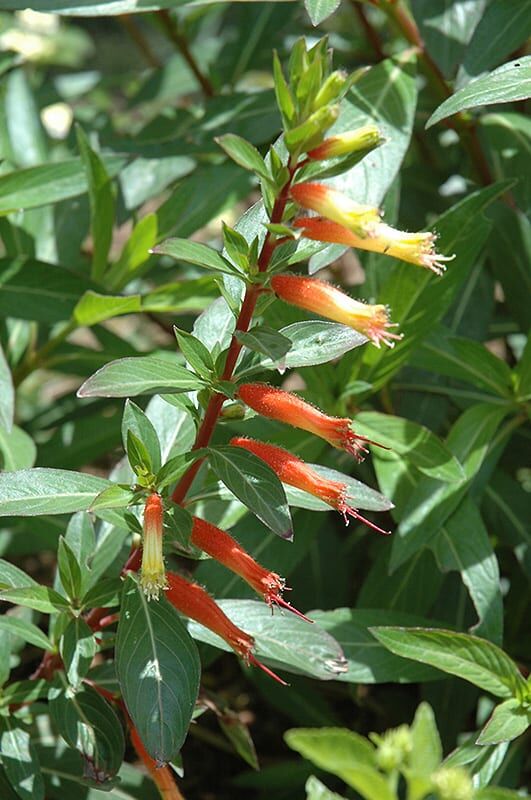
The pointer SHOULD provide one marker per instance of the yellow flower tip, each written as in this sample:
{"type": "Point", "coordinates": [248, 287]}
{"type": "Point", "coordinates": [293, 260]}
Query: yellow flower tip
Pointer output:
{"type": "Point", "coordinates": [343, 144]}
{"type": "Point", "coordinates": [336, 207]}
{"type": "Point", "coordinates": [152, 583]}
{"type": "Point", "coordinates": [417, 248]}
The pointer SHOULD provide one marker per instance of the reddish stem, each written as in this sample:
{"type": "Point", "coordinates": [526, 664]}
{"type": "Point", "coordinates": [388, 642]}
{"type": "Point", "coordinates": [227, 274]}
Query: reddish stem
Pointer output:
{"type": "Point", "coordinates": [215, 404]}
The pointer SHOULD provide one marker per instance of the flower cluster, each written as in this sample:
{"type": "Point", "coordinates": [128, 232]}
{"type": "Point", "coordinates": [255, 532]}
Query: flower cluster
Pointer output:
{"type": "Point", "coordinates": [313, 211]}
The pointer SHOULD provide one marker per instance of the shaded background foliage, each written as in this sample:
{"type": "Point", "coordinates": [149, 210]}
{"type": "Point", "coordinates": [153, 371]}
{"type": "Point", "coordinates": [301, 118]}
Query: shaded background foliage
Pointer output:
{"type": "Point", "coordinates": [150, 92]}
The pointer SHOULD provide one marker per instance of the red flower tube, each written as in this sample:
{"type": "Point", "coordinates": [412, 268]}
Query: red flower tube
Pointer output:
{"type": "Point", "coordinates": [296, 472]}
{"type": "Point", "coordinates": [194, 602]}
{"type": "Point", "coordinates": [324, 299]}
{"type": "Point", "coordinates": [162, 775]}
{"type": "Point", "coordinates": [415, 248]}
{"type": "Point", "coordinates": [153, 575]}
{"type": "Point", "coordinates": [293, 410]}
{"type": "Point", "coordinates": [227, 551]}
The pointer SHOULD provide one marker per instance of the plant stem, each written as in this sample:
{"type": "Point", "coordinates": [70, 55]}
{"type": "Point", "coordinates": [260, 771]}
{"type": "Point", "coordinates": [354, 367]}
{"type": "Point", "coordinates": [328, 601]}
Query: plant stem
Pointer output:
{"type": "Point", "coordinates": [464, 126]}
{"type": "Point", "coordinates": [127, 21]}
{"type": "Point", "coordinates": [180, 41]}
{"type": "Point", "coordinates": [215, 404]}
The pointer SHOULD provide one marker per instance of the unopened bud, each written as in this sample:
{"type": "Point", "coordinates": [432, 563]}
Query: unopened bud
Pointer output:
{"type": "Point", "coordinates": [331, 89]}
{"type": "Point", "coordinates": [393, 748]}
{"type": "Point", "coordinates": [343, 144]}
{"type": "Point", "coordinates": [452, 783]}
{"type": "Point", "coordinates": [312, 131]}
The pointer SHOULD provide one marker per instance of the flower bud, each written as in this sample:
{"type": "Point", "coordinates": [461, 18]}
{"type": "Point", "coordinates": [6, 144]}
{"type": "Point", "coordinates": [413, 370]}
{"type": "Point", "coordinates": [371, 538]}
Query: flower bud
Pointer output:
{"type": "Point", "coordinates": [293, 410]}
{"type": "Point", "coordinates": [153, 575]}
{"type": "Point", "coordinates": [393, 748]}
{"type": "Point", "coordinates": [343, 144]}
{"type": "Point", "coordinates": [324, 299]}
{"type": "Point", "coordinates": [336, 206]}
{"type": "Point", "coordinates": [331, 89]}
{"type": "Point", "coordinates": [219, 545]}
{"type": "Point", "coordinates": [295, 472]}
{"type": "Point", "coordinates": [194, 602]}
{"type": "Point", "coordinates": [452, 783]}
{"type": "Point", "coordinates": [312, 131]}
{"type": "Point", "coordinates": [415, 248]}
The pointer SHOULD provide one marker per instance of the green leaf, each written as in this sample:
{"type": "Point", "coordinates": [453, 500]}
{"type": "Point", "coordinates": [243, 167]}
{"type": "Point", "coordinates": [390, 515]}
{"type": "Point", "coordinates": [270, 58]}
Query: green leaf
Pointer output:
{"type": "Point", "coordinates": [114, 496]}
{"type": "Point", "coordinates": [196, 253]}
{"type": "Point", "coordinates": [466, 360]}
{"type": "Point", "coordinates": [501, 30]}
{"type": "Point", "coordinates": [474, 558]}
{"type": "Point", "coordinates": [175, 467]}
{"type": "Point", "coordinates": [243, 153]}
{"type": "Point", "coordinates": [93, 308]}
{"type": "Point", "coordinates": [78, 648]}
{"type": "Point", "coordinates": [158, 668]}
{"type": "Point", "coordinates": [255, 484]}
{"type": "Point", "coordinates": [7, 394]}
{"type": "Point", "coordinates": [315, 342]}
{"type": "Point", "coordinates": [20, 761]}
{"type": "Point", "coordinates": [48, 183]}
{"type": "Point", "coordinates": [473, 659]}
{"type": "Point", "coordinates": [13, 576]}
{"type": "Point", "coordinates": [31, 492]}
{"type": "Point", "coordinates": [128, 377]}
{"type": "Point", "coordinates": [88, 724]}
{"type": "Point", "coordinates": [417, 444]}
{"type": "Point", "coordinates": [24, 692]}
{"type": "Point", "coordinates": [368, 660]}
{"type": "Point", "coordinates": [69, 570]}
{"type": "Point", "coordinates": [344, 753]}
{"type": "Point", "coordinates": [38, 291]}
{"type": "Point", "coordinates": [17, 449]}
{"type": "Point", "coordinates": [25, 630]}
{"type": "Point", "coordinates": [510, 240]}
{"type": "Point", "coordinates": [426, 753]}
{"type": "Point", "coordinates": [496, 793]}
{"type": "Point", "coordinates": [139, 458]}
{"type": "Point", "coordinates": [284, 641]}
{"type": "Point", "coordinates": [196, 354]}
{"type": "Point", "coordinates": [432, 502]}
{"type": "Point", "coordinates": [508, 720]}
{"type": "Point", "coordinates": [265, 340]}
{"type": "Point", "coordinates": [135, 421]}
{"type": "Point", "coordinates": [315, 790]}
{"type": "Point", "coordinates": [40, 598]}
{"type": "Point", "coordinates": [508, 83]}
{"type": "Point", "coordinates": [319, 10]}
{"type": "Point", "coordinates": [135, 253]}
{"type": "Point", "coordinates": [102, 204]}
{"type": "Point", "coordinates": [106, 592]}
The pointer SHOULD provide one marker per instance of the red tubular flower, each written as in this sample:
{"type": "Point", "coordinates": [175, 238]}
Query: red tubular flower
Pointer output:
{"type": "Point", "coordinates": [153, 575]}
{"type": "Point", "coordinates": [227, 551]}
{"type": "Point", "coordinates": [162, 775]}
{"type": "Point", "coordinates": [293, 410]}
{"type": "Point", "coordinates": [296, 472]}
{"type": "Point", "coordinates": [324, 299]}
{"type": "Point", "coordinates": [192, 601]}
{"type": "Point", "coordinates": [415, 248]}
{"type": "Point", "coordinates": [336, 206]}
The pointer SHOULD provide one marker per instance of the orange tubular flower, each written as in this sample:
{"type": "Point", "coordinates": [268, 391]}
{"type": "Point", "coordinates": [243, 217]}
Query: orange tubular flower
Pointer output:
{"type": "Point", "coordinates": [192, 601]}
{"type": "Point", "coordinates": [286, 407]}
{"type": "Point", "coordinates": [153, 575]}
{"type": "Point", "coordinates": [227, 551]}
{"type": "Point", "coordinates": [336, 206]}
{"type": "Point", "coordinates": [349, 142]}
{"type": "Point", "coordinates": [415, 248]}
{"type": "Point", "coordinates": [295, 472]}
{"type": "Point", "coordinates": [162, 775]}
{"type": "Point", "coordinates": [324, 299]}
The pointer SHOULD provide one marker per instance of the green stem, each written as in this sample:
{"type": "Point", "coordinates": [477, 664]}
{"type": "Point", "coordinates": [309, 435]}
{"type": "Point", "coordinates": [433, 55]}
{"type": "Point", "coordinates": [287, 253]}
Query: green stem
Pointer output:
{"type": "Point", "coordinates": [39, 358]}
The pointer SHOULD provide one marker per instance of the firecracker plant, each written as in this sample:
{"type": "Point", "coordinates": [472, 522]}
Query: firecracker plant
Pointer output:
{"type": "Point", "coordinates": [120, 659]}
